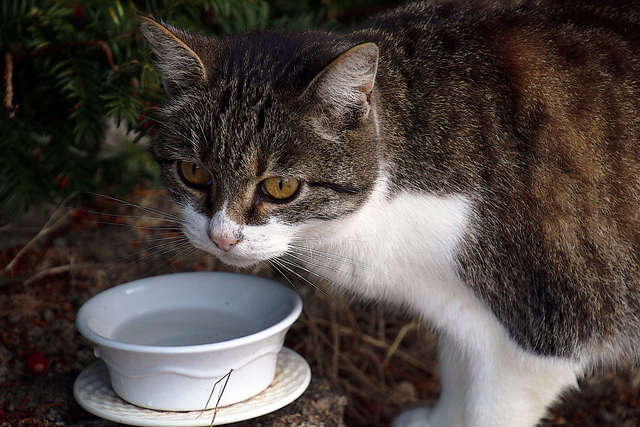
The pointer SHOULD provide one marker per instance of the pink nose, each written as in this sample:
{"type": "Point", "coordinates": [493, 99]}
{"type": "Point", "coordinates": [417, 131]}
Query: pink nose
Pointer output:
{"type": "Point", "coordinates": [224, 244]}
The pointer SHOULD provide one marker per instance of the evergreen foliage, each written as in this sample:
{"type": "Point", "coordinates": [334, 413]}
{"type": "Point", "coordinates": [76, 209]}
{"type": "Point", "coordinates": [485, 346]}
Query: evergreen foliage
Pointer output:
{"type": "Point", "coordinates": [69, 65]}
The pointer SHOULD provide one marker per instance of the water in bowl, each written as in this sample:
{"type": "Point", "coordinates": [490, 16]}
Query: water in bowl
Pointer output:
{"type": "Point", "coordinates": [182, 327]}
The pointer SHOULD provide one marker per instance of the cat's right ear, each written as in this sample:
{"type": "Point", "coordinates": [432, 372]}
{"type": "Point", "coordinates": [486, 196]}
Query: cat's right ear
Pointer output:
{"type": "Point", "coordinates": [342, 91]}
{"type": "Point", "coordinates": [181, 66]}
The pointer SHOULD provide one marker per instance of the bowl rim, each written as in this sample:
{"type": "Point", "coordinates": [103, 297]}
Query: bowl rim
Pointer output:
{"type": "Point", "coordinates": [82, 318]}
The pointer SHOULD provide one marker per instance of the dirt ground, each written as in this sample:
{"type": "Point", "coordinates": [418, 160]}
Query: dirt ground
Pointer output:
{"type": "Point", "coordinates": [381, 361]}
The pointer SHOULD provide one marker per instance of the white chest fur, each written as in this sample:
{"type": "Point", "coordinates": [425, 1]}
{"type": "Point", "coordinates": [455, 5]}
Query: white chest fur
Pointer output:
{"type": "Point", "coordinates": [400, 250]}
{"type": "Point", "coordinates": [403, 250]}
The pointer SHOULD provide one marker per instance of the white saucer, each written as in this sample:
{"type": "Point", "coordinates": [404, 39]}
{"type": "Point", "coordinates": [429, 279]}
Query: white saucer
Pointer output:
{"type": "Point", "coordinates": [93, 392]}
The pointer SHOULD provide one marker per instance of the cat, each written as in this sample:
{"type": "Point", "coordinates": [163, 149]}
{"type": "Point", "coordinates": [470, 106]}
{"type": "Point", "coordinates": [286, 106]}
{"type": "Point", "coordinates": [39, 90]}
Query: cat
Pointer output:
{"type": "Point", "coordinates": [476, 164]}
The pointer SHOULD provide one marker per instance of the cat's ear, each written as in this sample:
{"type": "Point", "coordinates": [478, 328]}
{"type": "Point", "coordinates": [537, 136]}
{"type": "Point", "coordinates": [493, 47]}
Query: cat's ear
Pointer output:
{"type": "Point", "coordinates": [181, 66]}
{"type": "Point", "coordinates": [343, 89]}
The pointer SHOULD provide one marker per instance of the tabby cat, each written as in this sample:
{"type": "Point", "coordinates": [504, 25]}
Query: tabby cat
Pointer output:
{"type": "Point", "coordinates": [478, 165]}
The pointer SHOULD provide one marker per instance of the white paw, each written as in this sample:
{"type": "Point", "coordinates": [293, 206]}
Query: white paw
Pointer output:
{"type": "Point", "coordinates": [418, 417]}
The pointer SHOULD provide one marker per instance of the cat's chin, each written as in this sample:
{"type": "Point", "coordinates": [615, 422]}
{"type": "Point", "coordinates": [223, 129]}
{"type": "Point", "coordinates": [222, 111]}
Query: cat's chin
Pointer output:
{"type": "Point", "coordinates": [236, 261]}
{"type": "Point", "coordinates": [239, 262]}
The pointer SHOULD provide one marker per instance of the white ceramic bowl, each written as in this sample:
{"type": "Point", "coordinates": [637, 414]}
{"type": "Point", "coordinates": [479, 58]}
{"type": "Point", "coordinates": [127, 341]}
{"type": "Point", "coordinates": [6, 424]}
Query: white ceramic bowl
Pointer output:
{"type": "Point", "coordinates": [167, 340]}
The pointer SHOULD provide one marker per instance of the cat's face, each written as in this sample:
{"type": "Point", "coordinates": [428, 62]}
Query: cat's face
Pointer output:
{"type": "Point", "coordinates": [261, 150]}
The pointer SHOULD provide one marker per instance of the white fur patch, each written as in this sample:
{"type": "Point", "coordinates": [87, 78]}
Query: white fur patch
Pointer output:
{"type": "Point", "coordinates": [400, 250]}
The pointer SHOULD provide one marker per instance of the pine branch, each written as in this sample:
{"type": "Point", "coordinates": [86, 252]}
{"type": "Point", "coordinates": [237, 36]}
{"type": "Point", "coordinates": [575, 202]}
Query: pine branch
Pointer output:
{"type": "Point", "coordinates": [8, 84]}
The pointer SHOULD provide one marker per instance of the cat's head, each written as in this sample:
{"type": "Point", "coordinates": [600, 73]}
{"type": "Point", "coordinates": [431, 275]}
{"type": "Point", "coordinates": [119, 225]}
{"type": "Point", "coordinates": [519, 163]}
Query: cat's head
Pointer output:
{"type": "Point", "coordinates": [264, 136]}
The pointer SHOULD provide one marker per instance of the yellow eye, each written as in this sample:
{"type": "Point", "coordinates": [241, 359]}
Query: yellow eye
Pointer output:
{"type": "Point", "coordinates": [194, 174]}
{"type": "Point", "coordinates": [280, 187]}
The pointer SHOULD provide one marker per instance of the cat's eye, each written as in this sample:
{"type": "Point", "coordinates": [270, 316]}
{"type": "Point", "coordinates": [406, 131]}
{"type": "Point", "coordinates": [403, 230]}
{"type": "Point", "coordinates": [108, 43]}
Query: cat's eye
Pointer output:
{"type": "Point", "coordinates": [194, 174]}
{"type": "Point", "coordinates": [280, 187]}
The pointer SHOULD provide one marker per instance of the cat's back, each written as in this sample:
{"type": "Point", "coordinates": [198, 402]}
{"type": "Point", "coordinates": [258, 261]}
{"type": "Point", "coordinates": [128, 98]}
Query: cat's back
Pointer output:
{"type": "Point", "coordinates": [478, 32]}
{"type": "Point", "coordinates": [499, 14]}
{"type": "Point", "coordinates": [531, 110]}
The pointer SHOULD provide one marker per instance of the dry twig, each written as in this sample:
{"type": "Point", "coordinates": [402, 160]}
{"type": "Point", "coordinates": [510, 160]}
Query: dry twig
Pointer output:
{"type": "Point", "coordinates": [58, 219]}
{"type": "Point", "coordinates": [217, 407]}
{"type": "Point", "coordinates": [56, 270]}
{"type": "Point", "coordinates": [11, 57]}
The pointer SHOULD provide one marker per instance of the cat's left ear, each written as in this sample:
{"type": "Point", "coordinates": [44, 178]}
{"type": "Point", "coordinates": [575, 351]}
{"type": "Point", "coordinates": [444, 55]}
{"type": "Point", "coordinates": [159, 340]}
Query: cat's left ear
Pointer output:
{"type": "Point", "coordinates": [343, 89]}
{"type": "Point", "coordinates": [182, 67]}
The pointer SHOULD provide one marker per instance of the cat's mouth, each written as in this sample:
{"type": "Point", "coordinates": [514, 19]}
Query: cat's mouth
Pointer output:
{"type": "Point", "coordinates": [235, 245]}
{"type": "Point", "coordinates": [235, 257]}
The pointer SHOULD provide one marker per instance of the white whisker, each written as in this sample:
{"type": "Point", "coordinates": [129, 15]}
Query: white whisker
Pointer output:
{"type": "Point", "coordinates": [311, 252]}
{"type": "Point", "coordinates": [331, 262]}
{"type": "Point", "coordinates": [314, 262]}
{"type": "Point", "coordinates": [281, 263]}
{"type": "Point", "coordinates": [184, 248]}
{"type": "Point", "coordinates": [160, 228]}
{"type": "Point", "coordinates": [165, 248]}
{"type": "Point", "coordinates": [276, 265]}
{"type": "Point", "coordinates": [164, 215]}
{"type": "Point", "coordinates": [338, 238]}
{"type": "Point", "coordinates": [153, 239]}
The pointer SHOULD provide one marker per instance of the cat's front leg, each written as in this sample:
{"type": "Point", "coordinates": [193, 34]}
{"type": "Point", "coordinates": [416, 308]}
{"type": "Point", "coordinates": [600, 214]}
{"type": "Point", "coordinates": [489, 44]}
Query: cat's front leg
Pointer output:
{"type": "Point", "coordinates": [448, 411]}
{"type": "Point", "coordinates": [492, 383]}
{"type": "Point", "coordinates": [418, 417]}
